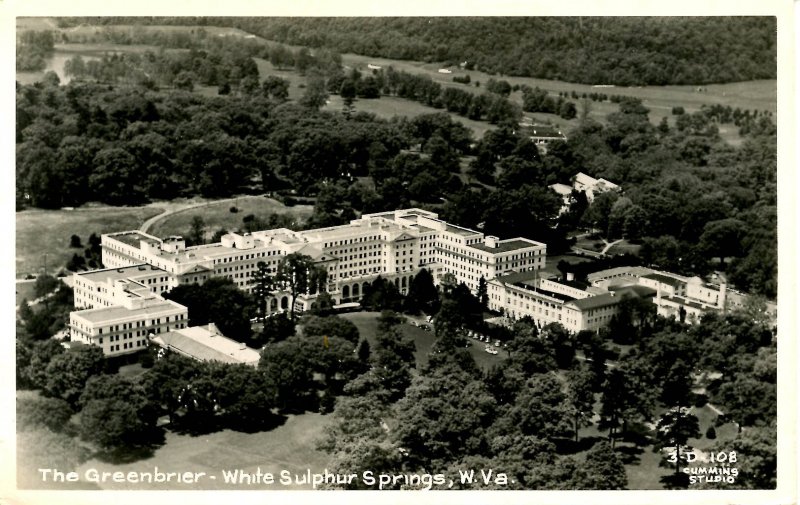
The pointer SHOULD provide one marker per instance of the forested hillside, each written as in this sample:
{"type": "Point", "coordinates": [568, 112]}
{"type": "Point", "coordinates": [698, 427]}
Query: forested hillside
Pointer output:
{"type": "Point", "coordinates": [630, 51]}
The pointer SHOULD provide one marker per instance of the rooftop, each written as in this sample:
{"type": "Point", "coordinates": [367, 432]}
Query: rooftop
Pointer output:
{"type": "Point", "coordinates": [466, 232]}
{"type": "Point", "coordinates": [530, 286]}
{"type": "Point", "coordinates": [114, 274]}
{"type": "Point", "coordinates": [613, 272]}
{"type": "Point", "coordinates": [132, 238]}
{"type": "Point", "coordinates": [206, 344]}
{"type": "Point", "coordinates": [612, 298]}
{"type": "Point", "coordinates": [119, 313]}
{"type": "Point", "coordinates": [507, 245]}
{"type": "Point", "coordinates": [561, 189]}
{"type": "Point", "coordinates": [665, 279]}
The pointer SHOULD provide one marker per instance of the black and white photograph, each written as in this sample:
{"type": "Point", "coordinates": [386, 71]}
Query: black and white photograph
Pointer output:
{"type": "Point", "coordinates": [451, 251]}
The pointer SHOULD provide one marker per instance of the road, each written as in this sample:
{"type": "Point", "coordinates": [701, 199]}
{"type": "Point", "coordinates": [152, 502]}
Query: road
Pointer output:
{"type": "Point", "coordinates": [181, 208]}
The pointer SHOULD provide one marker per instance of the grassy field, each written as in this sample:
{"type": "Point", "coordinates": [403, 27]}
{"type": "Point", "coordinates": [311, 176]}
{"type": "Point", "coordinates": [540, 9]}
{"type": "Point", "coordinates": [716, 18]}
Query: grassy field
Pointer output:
{"type": "Point", "coordinates": [290, 446]}
{"type": "Point", "coordinates": [47, 232]}
{"type": "Point", "coordinates": [25, 291]}
{"type": "Point", "coordinates": [218, 215]}
{"type": "Point", "coordinates": [367, 325]}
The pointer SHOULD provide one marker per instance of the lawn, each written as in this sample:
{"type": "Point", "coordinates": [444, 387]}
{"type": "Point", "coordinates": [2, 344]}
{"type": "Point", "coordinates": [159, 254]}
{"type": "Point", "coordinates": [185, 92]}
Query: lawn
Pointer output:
{"type": "Point", "coordinates": [25, 290]}
{"type": "Point", "coordinates": [290, 446]}
{"type": "Point", "coordinates": [367, 325]}
{"type": "Point", "coordinates": [217, 215]}
{"type": "Point", "coordinates": [43, 235]}
{"type": "Point", "coordinates": [551, 262]}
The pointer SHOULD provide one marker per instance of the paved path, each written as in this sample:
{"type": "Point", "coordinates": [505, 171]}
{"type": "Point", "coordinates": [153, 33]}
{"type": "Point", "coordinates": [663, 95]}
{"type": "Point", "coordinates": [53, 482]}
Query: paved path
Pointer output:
{"type": "Point", "coordinates": [596, 254]}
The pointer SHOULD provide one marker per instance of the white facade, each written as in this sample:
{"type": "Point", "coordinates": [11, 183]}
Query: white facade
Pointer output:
{"type": "Point", "coordinates": [124, 329]}
{"type": "Point", "coordinates": [394, 245]}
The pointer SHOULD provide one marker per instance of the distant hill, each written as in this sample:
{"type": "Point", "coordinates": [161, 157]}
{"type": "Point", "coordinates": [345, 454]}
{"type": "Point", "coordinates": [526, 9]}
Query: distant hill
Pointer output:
{"type": "Point", "coordinates": [628, 51]}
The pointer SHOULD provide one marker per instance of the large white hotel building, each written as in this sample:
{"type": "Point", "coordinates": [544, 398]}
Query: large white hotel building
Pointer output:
{"type": "Point", "coordinates": [121, 306]}
{"type": "Point", "coordinates": [394, 245]}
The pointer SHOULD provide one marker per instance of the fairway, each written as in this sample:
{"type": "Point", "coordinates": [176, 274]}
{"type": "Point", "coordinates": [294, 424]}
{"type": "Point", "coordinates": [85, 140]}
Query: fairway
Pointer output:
{"type": "Point", "coordinates": [217, 215]}
{"type": "Point", "coordinates": [47, 232]}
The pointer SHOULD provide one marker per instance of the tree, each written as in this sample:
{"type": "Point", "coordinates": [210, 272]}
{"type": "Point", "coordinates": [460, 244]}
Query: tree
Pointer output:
{"type": "Point", "coordinates": [580, 397]}
{"type": "Point", "coordinates": [217, 301]}
{"type": "Point", "coordinates": [540, 409]}
{"type": "Point", "coordinates": [197, 232]}
{"type": "Point", "coordinates": [723, 238]}
{"type": "Point", "coordinates": [67, 373]}
{"type": "Point", "coordinates": [393, 359]}
{"type": "Point", "coordinates": [51, 413]}
{"type": "Point", "coordinates": [332, 326]}
{"type": "Point", "coordinates": [422, 294]}
{"type": "Point", "coordinates": [748, 401]}
{"type": "Point", "coordinates": [315, 95]}
{"type": "Point", "coordinates": [443, 417]}
{"type": "Point", "coordinates": [277, 327]}
{"type": "Point", "coordinates": [603, 469]}
{"type": "Point", "coordinates": [44, 285]}
{"type": "Point", "coordinates": [288, 365]}
{"type": "Point", "coordinates": [757, 454]}
{"type": "Point", "coordinates": [300, 274]}
{"type": "Point", "coordinates": [674, 429]}
{"type": "Point", "coordinates": [483, 293]}
{"type": "Point", "coordinates": [276, 88]}
{"type": "Point", "coordinates": [627, 395]}
{"type": "Point", "coordinates": [34, 373]}
{"type": "Point", "coordinates": [185, 80]}
{"type": "Point", "coordinates": [531, 353]}
{"type": "Point", "coordinates": [263, 287]}
{"type": "Point", "coordinates": [75, 241]}
{"type": "Point", "coordinates": [116, 413]}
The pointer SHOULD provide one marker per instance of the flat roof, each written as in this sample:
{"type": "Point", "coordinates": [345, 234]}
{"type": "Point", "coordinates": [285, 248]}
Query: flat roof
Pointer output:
{"type": "Point", "coordinates": [460, 230]}
{"type": "Point", "coordinates": [546, 292]}
{"type": "Point", "coordinates": [665, 279]}
{"type": "Point", "coordinates": [206, 345]}
{"type": "Point", "coordinates": [118, 273]}
{"type": "Point", "coordinates": [132, 238]}
{"type": "Point", "coordinates": [507, 245]}
{"type": "Point", "coordinates": [561, 189]}
{"type": "Point", "coordinates": [118, 312]}
{"type": "Point", "coordinates": [612, 298]}
{"type": "Point", "coordinates": [610, 272]}
{"type": "Point", "coordinates": [679, 300]}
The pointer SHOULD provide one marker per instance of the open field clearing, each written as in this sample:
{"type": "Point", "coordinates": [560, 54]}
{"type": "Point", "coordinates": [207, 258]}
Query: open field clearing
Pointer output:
{"type": "Point", "coordinates": [217, 215]}
{"type": "Point", "coordinates": [47, 232]}
{"type": "Point", "coordinates": [291, 447]}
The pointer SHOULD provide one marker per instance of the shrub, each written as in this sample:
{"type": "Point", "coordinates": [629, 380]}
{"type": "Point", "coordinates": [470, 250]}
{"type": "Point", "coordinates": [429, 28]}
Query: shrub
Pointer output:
{"type": "Point", "coordinates": [700, 400]}
{"type": "Point", "coordinates": [711, 433]}
{"type": "Point", "coordinates": [234, 209]}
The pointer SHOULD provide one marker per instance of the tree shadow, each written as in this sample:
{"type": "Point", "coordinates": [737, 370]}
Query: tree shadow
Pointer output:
{"type": "Point", "coordinates": [567, 446]}
{"type": "Point", "coordinates": [133, 453]}
{"type": "Point", "coordinates": [675, 481]}
{"type": "Point", "coordinates": [630, 455]}
{"type": "Point", "coordinates": [266, 424]}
